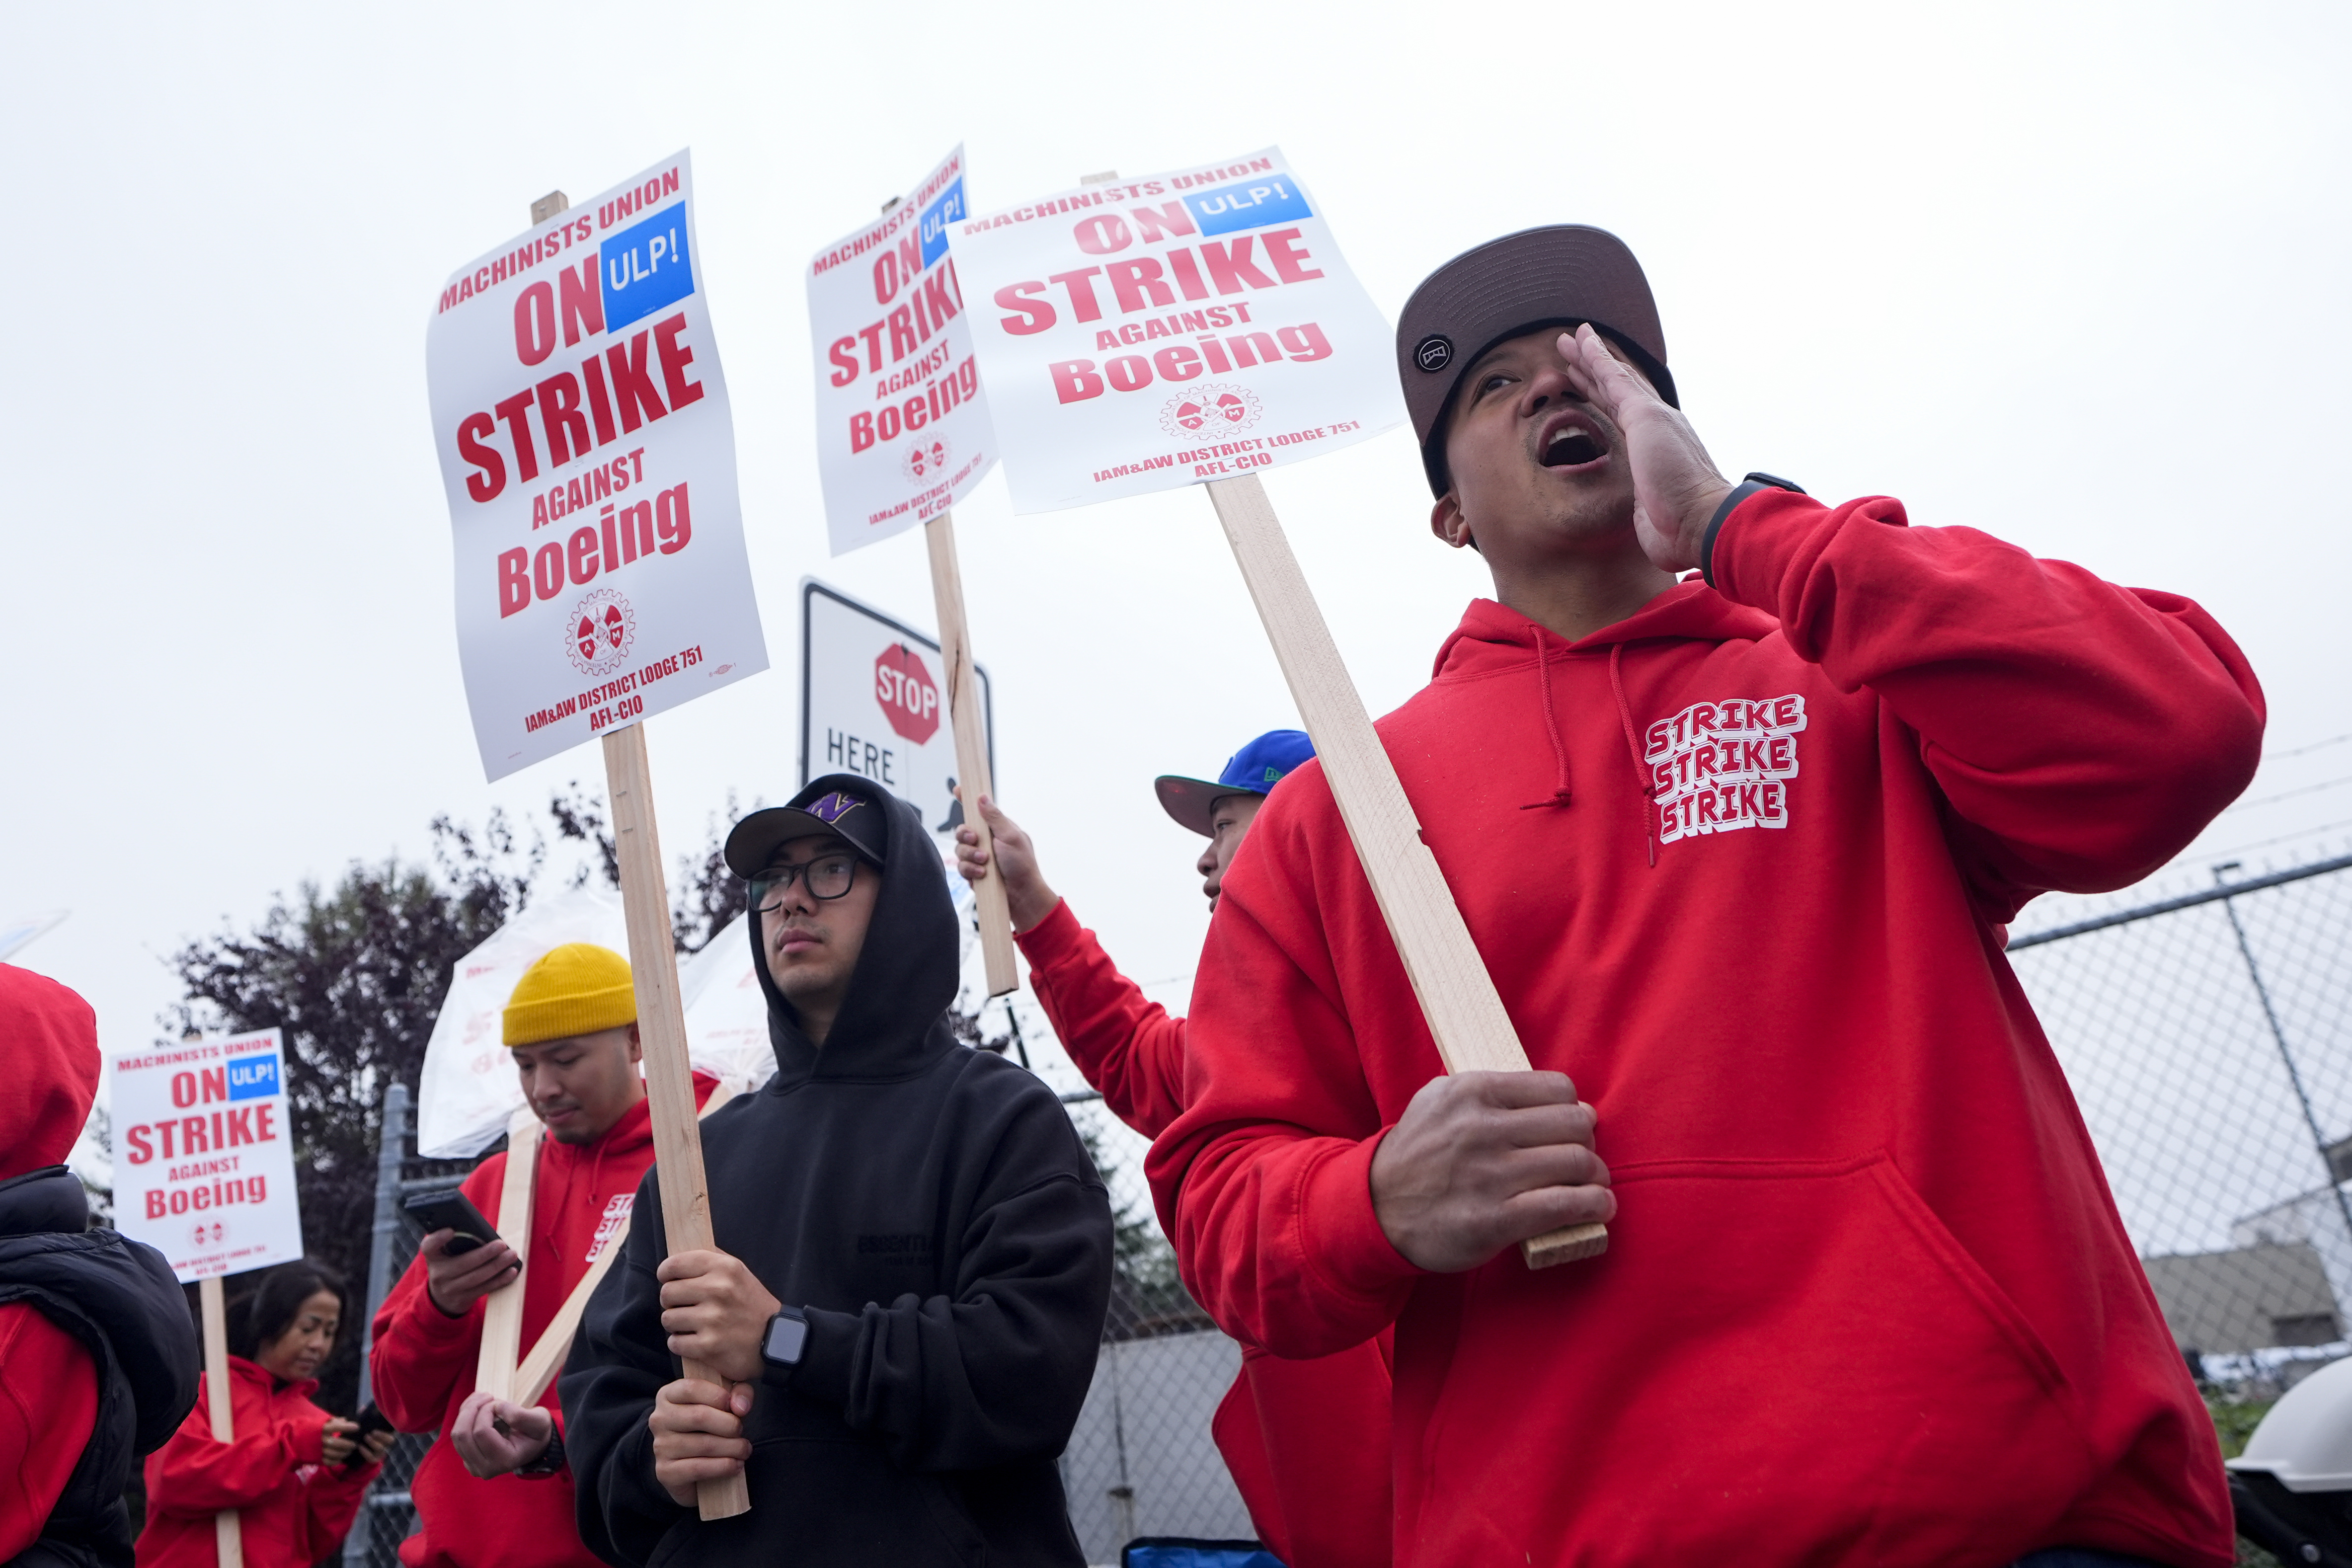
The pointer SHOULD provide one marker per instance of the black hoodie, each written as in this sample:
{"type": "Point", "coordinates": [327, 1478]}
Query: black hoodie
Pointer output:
{"type": "Point", "coordinates": [119, 1299]}
{"type": "Point", "coordinates": [933, 1210]}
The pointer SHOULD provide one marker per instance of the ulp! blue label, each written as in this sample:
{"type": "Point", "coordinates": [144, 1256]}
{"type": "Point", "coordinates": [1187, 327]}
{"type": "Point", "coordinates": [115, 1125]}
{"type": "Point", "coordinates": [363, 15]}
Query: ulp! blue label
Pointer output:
{"type": "Point", "coordinates": [645, 266]}
{"type": "Point", "coordinates": [948, 209]}
{"type": "Point", "coordinates": [253, 1078]}
{"type": "Point", "coordinates": [1253, 205]}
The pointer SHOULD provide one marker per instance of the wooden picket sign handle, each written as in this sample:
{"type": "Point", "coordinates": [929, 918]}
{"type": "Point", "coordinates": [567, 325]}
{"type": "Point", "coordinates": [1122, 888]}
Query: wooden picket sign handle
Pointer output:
{"type": "Point", "coordinates": [1466, 1017]}
{"type": "Point", "coordinates": [972, 778]}
{"type": "Point", "coordinates": [494, 1366]}
{"type": "Point", "coordinates": [228, 1528]}
{"type": "Point", "coordinates": [661, 1016]}
{"type": "Point", "coordinates": [546, 1358]}
{"type": "Point", "coordinates": [661, 1030]}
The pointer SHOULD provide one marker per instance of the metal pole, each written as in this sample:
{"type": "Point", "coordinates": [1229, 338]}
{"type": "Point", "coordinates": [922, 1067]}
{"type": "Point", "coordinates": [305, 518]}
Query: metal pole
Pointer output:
{"type": "Point", "coordinates": [392, 1143]}
{"type": "Point", "coordinates": [2278, 1034]}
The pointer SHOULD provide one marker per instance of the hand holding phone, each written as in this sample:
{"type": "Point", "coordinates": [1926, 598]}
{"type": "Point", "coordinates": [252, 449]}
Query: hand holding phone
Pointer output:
{"type": "Point", "coordinates": [365, 1428]}
{"type": "Point", "coordinates": [465, 1258]}
{"type": "Point", "coordinates": [450, 1209]}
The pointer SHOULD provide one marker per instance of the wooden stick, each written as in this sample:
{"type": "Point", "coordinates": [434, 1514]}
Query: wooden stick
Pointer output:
{"type": "Point", "coordinates": [494, 1369]}
{"type": "Point", "coordinates": [228, 1530]}
{"type": "Point", "coordinates": [661, 1029]}
{"type": "Point", "coordinates": [1457, 995]}
{"type": "Point", "coordinates": [972, 750]}
{"type": "Point", "coordinates": [546, 1358]}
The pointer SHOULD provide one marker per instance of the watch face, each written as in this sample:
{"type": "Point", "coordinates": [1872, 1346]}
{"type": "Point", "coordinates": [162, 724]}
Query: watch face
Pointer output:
{"type": "Point", "coordinates": [786, 1337]}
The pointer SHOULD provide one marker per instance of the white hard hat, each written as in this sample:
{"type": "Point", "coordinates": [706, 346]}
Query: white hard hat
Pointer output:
{"type": "Point", "coordinates": [2305, 1441]}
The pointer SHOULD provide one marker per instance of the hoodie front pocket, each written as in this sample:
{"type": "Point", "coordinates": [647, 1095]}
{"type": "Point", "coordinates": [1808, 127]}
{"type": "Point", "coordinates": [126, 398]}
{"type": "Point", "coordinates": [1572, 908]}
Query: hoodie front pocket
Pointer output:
{"type": "Point", "coordinates": [1777, 1362]}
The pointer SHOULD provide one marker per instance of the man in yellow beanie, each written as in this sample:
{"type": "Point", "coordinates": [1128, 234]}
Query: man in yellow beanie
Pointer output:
{"type": "Point", "coordinates": [495, 1488]}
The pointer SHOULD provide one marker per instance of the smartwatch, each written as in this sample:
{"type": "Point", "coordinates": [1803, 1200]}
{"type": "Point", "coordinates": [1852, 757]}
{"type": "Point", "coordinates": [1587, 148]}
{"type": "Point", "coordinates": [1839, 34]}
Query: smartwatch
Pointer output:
{"type": "Point", "coordinates": [1748, 487]}
{"type": "Point", "coordinates": [786, 1338]}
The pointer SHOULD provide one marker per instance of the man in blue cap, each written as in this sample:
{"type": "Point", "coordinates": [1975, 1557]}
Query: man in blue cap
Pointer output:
{"type": "Point", "coordinates": [1306, 1441]}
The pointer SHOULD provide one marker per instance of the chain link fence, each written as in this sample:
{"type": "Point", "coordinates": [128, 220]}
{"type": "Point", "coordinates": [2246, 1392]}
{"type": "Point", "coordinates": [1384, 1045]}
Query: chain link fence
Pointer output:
{"type": "Point", "coordinates": [2208, 1037]}
{"type": "Point", "coordinates": [2205, 1035]}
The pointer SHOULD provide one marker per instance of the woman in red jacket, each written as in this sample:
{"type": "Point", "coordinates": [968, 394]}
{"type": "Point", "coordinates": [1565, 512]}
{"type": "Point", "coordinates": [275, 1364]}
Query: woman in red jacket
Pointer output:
{"type": "Point", "coordinates": [294, 1473]}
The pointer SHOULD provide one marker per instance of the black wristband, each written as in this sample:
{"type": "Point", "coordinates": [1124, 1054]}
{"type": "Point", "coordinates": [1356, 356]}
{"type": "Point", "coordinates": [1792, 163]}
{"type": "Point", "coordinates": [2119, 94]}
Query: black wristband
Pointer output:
{"type": "Point", "coordinates": [1749, 484]}
{"type": "Point", "coordinates": [550, 1460]}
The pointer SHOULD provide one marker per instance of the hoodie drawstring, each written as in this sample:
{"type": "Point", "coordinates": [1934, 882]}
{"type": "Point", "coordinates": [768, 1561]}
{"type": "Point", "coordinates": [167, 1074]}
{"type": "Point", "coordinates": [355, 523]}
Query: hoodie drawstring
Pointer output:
{"type": "Point", "coordinates": [1559, 796]}
{"type": "Point", "coordinates": [1634, 750]}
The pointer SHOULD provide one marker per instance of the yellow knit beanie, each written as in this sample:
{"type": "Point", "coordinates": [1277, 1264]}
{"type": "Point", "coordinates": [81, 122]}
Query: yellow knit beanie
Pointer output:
{"type": "Point", "coordinates": [577, 989]}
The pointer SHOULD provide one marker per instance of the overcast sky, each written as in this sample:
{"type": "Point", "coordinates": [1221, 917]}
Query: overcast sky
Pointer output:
{"type": "Point", "coordinates": [2071, 274]}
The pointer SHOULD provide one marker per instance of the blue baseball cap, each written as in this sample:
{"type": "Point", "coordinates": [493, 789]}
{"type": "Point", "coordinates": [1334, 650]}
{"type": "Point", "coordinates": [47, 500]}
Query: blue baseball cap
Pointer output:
{"type": "Point", "coordinates": [1254, 769]}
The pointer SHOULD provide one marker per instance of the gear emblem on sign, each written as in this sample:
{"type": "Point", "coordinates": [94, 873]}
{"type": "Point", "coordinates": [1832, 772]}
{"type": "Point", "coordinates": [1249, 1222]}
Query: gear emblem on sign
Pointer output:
{"type": "Point", "coordinates": [1209, 411]}
{"type": "Point", "coordinates": [599, 633]}
{"type": "Point", "coordinates": [924, 462]}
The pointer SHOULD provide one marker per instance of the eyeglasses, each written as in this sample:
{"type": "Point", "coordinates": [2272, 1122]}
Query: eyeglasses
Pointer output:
{"type": "Point", "coordinates": [829, 877]}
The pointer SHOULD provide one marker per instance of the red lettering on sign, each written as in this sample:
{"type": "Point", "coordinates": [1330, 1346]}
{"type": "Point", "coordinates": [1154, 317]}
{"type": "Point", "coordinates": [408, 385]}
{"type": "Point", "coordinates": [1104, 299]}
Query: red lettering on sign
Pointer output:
{"type": "Point", "coordinates": [1075, 379]}
{"type": "Point", "coordinates": [534, 324]}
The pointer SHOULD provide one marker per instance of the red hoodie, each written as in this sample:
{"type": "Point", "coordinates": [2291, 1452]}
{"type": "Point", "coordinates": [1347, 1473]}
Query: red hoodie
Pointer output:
{"type": "Point", "coordinates": [48, 1385]}
{"type": "Point", "coordinates": [1740, 866]}
{"type": "Point", "coordinates": [421, 1364]}
{"type": "Point", "coordinates": [294, 1509]}
{"type": "Point", "coordinates": [1306, 1441]}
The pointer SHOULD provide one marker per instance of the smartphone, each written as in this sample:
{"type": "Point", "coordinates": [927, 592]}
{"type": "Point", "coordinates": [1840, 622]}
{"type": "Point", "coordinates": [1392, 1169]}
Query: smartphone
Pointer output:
{"type": "Point", "coordinates": [371, 1421]}
{"type": "Point", "coordinates": [450, 1209]}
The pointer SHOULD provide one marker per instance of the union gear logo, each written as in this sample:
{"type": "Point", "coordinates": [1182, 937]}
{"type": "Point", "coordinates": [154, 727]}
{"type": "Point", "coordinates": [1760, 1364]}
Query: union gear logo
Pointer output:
{"type": "Point", "coordinates": [925, 462]}
{"type": "Point", "coordinates": [1718, 766]}
{"type": "Point", "coordinates": [599, 633]}
{"type": "Point", "coordinates": [1210, 411]}
{"type": "Point", "coordinates": [609, 1224]}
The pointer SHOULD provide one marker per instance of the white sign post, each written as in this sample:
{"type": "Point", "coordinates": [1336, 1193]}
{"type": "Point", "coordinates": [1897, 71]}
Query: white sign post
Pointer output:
{"type": "Point", "coordinates": [903, 434]}
{"type": "Point", "coordinates": [874, 703]}
{"type": "Point", "coordinates": [590, 460]}
{"type": "Point", "coordinates": [1199, 326]}
{"type": "Point", "coordinates": [204, 1173]}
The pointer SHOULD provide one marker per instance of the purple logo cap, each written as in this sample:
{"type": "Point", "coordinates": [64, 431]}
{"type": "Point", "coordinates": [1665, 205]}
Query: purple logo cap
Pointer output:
{"type": "Point", "coordinates": [830, 809]}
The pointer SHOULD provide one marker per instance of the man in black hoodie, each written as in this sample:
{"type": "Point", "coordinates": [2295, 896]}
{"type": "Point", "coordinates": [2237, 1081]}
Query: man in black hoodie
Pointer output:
{"type": "Point", "coordinates": [913, 1253]}
{"type": "Point", "coordinates": [98, 1355]}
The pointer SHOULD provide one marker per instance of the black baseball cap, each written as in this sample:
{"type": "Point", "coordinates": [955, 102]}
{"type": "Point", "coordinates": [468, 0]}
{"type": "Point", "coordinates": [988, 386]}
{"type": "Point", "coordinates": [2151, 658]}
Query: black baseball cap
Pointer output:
{"type": "Point", "coordinates": [1563, 275]}
{"type": "Point", "coordinates": [838, 805]}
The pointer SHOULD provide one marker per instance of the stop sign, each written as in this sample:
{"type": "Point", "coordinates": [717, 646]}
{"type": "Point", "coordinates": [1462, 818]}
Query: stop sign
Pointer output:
{"type": "Point", "coordinates": [909, 698]}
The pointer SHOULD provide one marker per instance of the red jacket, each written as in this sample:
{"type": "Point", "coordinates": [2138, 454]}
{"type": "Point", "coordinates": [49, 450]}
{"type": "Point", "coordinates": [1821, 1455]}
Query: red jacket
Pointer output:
{"type": "Point", "coordinates": [1306, 1441]}
{"type": "Point", "coordinates": [1740, 866]}
{"type": "Point", "coordinates": [294, 1510]}
{"type": "Point", "coordinates": [48, 1404]}
{"type": "Point", "coordinates": [421, 1365]}
{"type": "Point", "coordinates": [48, 1385]}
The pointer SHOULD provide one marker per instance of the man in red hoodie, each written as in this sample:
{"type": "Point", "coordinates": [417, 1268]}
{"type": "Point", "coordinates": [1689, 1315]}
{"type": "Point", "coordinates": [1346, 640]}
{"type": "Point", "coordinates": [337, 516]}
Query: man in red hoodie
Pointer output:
{"type": "Point", "coordinates": [494, 1490]}
{"type": "Point", "coordinates": [1306, 1441]}
{"type": "Point", "coordinates": [1738, 848]}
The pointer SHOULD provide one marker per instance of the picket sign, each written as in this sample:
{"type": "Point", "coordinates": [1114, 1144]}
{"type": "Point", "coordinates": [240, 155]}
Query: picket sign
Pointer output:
{"type": "Point", "coordinates": [661, 1023]}
{"type": "Point", "coordinates": [995, 911]}
{"type": "Point", "coordinates": [1466, 1017]}
{"type": "Point", "coordinates": [228, 1528]}
{"type": "Point", "coordinates": [876, 484]}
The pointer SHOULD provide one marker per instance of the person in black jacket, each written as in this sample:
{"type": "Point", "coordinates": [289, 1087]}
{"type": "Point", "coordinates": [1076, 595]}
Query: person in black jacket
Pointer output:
{"type": "Point", "coordinates": [913, 1253]}
{"type": "Point", "coordinates": [98, 1354]}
